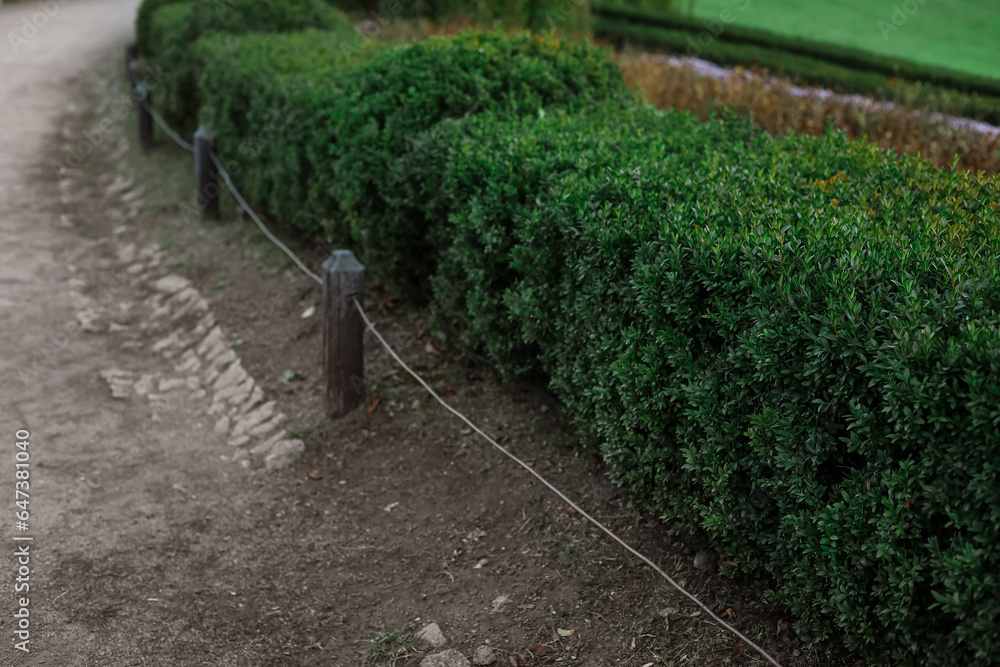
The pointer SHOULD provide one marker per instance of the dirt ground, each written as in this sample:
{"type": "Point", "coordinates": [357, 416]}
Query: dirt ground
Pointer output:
{"type": "Point", "coordinates": [152, 546]}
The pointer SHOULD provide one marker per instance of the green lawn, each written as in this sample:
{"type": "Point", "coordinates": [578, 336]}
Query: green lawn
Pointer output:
{"type": "Point", "coordinates": [960, 34]}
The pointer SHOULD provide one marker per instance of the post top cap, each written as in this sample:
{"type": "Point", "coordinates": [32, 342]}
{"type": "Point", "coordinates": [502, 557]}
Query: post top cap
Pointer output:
{"type": "Point", "coordinates": [204, 132]}
{"type": "Point", "coordinates": [343, 261]}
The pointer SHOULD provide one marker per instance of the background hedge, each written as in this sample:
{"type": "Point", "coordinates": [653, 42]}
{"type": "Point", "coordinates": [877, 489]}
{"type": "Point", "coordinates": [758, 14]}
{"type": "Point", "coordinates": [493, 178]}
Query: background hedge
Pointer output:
{"type": "Point", "coordinates": [172, 29]}
{"type": "Point", "coordinates": [355, 161]}
{"type": "Point", "coordinates": [791, 344]}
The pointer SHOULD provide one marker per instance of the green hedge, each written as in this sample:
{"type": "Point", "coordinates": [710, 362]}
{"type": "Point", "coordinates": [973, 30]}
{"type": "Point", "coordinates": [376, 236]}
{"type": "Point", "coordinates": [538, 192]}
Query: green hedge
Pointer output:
{"type": "Point", "coordinates": [268, 99]}
{"type": "Point", "coordinates": [166, 34]}
{"type": "Point", "coordinates": [359, 145]}
{"type": "Point", "coordinates": [792, 344]}
{"type": "Point", "coordinates": [973, 97]}
{"type": "Point", "coordinates": [387, 166]}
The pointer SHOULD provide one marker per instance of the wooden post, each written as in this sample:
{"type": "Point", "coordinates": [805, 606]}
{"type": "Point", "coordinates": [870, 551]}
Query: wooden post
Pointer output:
{"type": "Point", "coordinates": [206, 175]}
{"type": "Point", "coordinates": [133, 79]}
{"type": "Point", "coordinates": [144, 100]}
{"type": "Point", "coordinates": [343, 331]}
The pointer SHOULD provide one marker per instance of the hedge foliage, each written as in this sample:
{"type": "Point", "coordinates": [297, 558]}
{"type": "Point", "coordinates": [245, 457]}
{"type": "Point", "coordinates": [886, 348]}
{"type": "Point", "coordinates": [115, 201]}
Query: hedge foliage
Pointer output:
{"type": "Point", "coordinates": [791, 343]}
{"type": "Point", "coordinates": [171, 29]}
{"type": "Point", "coordinates": [359, 162]}
{"type": "Point", "coordinates": [267, 97]}
{"type": "Point", "coordinates": [842, 69]}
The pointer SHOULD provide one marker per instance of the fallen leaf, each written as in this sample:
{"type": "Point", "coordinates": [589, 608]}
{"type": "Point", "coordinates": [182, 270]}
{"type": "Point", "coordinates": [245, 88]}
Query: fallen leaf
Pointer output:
{"type": "Point", "coordinates": [340, 465]}
{"type": "Point", "coordinates": [515, 661]}
{"type": "Point", "coordinates": [315, 475]}
{"type": "Point", "coordinates": [308, 312]}
{"type": "Point", "coordinates": [447, 390]}
{"type": "Point", "coordinates": [530, 464]}
{"type": "Point", "coordinates": [721, 562]}
{"type": "Point", "coordinates": [472, 376]}
{"type": "Point", "coordinates": [374, 404]}
{"type": "Point", "coordinates": [503, 439]}
{"type": "Point", "coordinates": [727, 613]}
{"type": "Point", "coordinates": [541, 649]}
{"type": "Point", "coordinates": [738, 649]}
{"type": "Point", "coordinates": [429, 347]}
{"type": "Point", "coordinates": [390, 373]}
{"type": "Point", "coordinates": [667, 612]}
{"type": "Point", "coordinates": [566, 633]}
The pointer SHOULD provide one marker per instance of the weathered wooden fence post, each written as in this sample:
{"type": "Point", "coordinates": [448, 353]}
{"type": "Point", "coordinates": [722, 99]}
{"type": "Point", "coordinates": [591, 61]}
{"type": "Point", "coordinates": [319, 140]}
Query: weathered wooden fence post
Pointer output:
{"type": "Point", "coordinates": [144, 100]}
{"type": "Point", "coordinates": [206, 175]}
{"type": "Point", "coordinates": [131, 53]}
{"type": "Point", "coordinates": [343, 331]}
{"type": "Point", "coordinates": [133, 80]}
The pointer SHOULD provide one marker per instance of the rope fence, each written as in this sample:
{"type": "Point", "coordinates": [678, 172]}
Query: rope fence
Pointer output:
{"type": "Point", "coordinates": [343, 287]}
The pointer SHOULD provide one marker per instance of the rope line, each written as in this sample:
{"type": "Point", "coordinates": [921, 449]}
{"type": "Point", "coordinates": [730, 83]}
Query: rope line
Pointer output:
{"type": "Point", "coordinates": [559, 493]}
{"type": "Point", "coordinates": [267, 232]}
{"type": "Point", "coordinates": [163, 126]}
{"type": "Point", "coordinates": [388, 348]}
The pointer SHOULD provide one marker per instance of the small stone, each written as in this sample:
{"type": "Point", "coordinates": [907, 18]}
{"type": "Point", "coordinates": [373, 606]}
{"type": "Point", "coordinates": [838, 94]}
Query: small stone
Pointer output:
{"type": "Point", "coordinates": [126, 254]}
{"type": "Point", "coordinates": [170, 384]}
{"type": "Point", "coordinates": [188, 363]}
{"type": "Point", "coordinates": [222, 425]}
{"type": "Point", "coordinates": [135, 269]}
{"type": "Point", "coordinates": [431, 634]}
{"type": "Point", "coordinates": [484, 656]}
{"type": "Point", "coordinates": [214, 340]}
{"type": "Point", "coordinates": [198, 395]}
{"type": "Point", "coordinates": [267, 427]}
{"type": "Point", "coordinates": [171, 284]}
{"type": "Point", "coordinates": [704, 560]}
{"type": "Point", "coordinates": [449, 658]}
{"type": "Point", "coordinates": [144, 385]}
{"type": "Point", "coordinates": [232, 377]}
{"type": "Point", "coordinates": [255, 418]}
{"type": "Point", "coordinates": [262, 448]}
{"type": "Point", "coordinates": [283, 454]}
{"type": "Point", "coordinates": [193, 381]}
{"type": "Point", "coordinates": [239, 441]}
{"type": "Point", "coordinates": [165, 343]}
{"type": "Point", "coordinates": [256, 396]}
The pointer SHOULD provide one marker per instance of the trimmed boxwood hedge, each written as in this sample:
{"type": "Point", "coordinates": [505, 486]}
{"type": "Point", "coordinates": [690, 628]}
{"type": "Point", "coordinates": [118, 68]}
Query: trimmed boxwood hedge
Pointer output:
{"type": "Point", "coordinates": [166, 33]}
{"type": "Point", "coordinates": [359, 142]}
{"type": "Point", "coordinates": [791, 343]}
{"type": "Point", "coordinates": [267, 98]}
